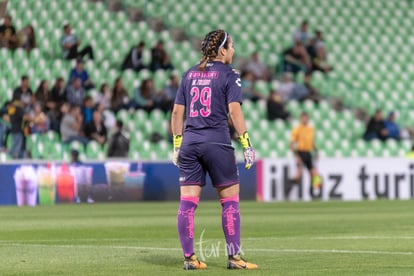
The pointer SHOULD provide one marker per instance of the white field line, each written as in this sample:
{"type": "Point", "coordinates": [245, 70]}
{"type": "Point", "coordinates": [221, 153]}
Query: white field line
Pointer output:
{"type": "Point", "coordinates": [365, 238]}
{"type": "Point", "coordinates": [169, 249]}
{"type": "Point", "coordinates": [213, 239]}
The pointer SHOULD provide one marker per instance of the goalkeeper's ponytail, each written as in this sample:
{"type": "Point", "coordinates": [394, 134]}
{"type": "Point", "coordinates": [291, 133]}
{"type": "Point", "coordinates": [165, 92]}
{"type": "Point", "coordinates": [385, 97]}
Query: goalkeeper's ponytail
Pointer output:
{"type": "Point", "coordinates": [211, 45]}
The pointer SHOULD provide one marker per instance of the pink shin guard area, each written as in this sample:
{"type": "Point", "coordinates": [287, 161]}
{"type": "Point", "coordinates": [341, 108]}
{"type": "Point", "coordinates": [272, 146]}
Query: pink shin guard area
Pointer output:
{"type": "Point", "coordinates": [228, 199]}
{"type": "Point", "coordinates": [192, 199]}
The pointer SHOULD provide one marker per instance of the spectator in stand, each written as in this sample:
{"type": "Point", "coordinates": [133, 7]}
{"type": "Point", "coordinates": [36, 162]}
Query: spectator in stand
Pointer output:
{"type": "Point", "coordinates": [276, 108]}
{"type": "Point", "coordinates": [118, 144]}
{"type": "Point", "coordinates": [145, 95]}
{"type": "Point", "coordinates": [61, 112]}
{"type": "Point", "coordinates": [305, 91]}
{"type": "Point", "coordinates": [312, 92]}
{"type": "Point", "coordinates": [42, 93]}
{"type": "Point", "coordinates": [393, 130]}
{"type": "Point", "coordinates": [4, 124]}
{"type": "Point", "coordinates": [74, 158]}
{"type": "Point", "coordinates": [70, 44]}
{"type": "Point", "coordinates": [257, 68]}
{"type": "Point", "coordinates": [172, 87]}
{"type": "Point", "coordinates": [39, 122]}
{"type": "Point", "coordinates": [96, 130]}
{"type": "Point", "coordinates": [104, 96]}
{"type": "Point", "coordinates": [120, 96]}
{"type": "Point", "coordinates": [286, 87]}
{"type": "Point", "coordinates": [17, 119]}
{"type": "Point", "coordinates": [302, 35]}
{"type": "Point", "coordinates": [376, 127]}
{"type": "Point", "coordinates": [8, 37]}
{"type": "Point", "coordinates": [133, 60]}
{"type": "Point", "coordinates": [247, 85]}
{"type": "Point", "coordinates": [71, 126]}
{"type": "Point", "coordinates": [75, 92]}
{"type": "Point", "coordinates": [319, 62]}
{"type": "Point", "coordinates": [296, 59]}
{"type": "Point", "coordinates": [24, 93]}
{"type": "Point", "coordinates": [314, 43]}
{"type": "Point", "coordinates": [87, 110]}
{"type": "Point", "coordinates": [109, 118]}
{"type": "Point", "coordinates": [27, 38]}
{"type": "Point", "coordinates": [79, 72]}
{"type": "Point", "coordinates": [58, 92]}
{"type": "Point", "coordinates": [160, 58]}
{"type": "Point", "coordinates": [57, 96]}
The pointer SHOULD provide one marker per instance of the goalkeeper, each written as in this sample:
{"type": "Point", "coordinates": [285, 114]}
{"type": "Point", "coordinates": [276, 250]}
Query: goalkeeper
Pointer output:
{"type": "Point", "coordinates": [303, 144]}
{"type": "Point", "coordinates": [209, 92]}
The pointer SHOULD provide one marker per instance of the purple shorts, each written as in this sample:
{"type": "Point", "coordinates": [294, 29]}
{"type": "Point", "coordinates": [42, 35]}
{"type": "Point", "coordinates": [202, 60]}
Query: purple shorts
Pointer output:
{"type": "Point", "coordinates": [216, 159]}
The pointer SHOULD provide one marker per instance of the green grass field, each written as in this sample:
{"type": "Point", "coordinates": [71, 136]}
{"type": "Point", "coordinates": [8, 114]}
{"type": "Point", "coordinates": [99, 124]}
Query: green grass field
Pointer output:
{"type": "Point", "coordinates": [315, 238]}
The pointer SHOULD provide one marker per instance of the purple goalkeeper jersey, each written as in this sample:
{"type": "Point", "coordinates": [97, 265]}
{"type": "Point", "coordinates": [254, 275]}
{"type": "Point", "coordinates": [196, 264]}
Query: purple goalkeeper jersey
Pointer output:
{"type": "Point", "coordinates": [206, 96]}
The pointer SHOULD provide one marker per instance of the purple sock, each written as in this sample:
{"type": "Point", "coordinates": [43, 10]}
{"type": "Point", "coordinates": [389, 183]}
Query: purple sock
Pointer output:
{"type": "Point", "coordinates": [231, 224]}
{"type": "Point", "coordinates": [185, 223]}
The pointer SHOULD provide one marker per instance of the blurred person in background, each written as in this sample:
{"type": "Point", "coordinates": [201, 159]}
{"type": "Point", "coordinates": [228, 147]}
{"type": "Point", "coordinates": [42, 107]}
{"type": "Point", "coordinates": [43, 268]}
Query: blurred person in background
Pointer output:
{"type": "Point", "coordinates": [134, 59]}
{"type": "Point", "coordinates": [17, 120]}
{"type": "Point", "coordinates": [393, 130]}
{"type": "Point", "coordinates": [96, 130]}
{"type": "Point", "coordinates": [159, 58]}
{"type": "Point", "coordinates": [87, 110]}
{"type": "Point", "coordinates": [296, 59]}
{"type": "Point", "coordinates": [145, 95]}
{"type": "Point", "coordinates": [74, 158]}
{"type": "Point", "coordinates": [104, 96]}
{"type": "Point", "coordinates": [276, 107]}
{"type": "Point", "coordinates": [314, 43]}
{"type": "Point", "coordinates": [376, 127]}
{"type": "Point", "coordinates": [24, 93]}
{"type": "Point", "coordinates": [120, 96]}
{"type": "Point", "coordinates": [39, 122]}
{"type": "Point", "coordinates": [8, 37]}
{"type": "Point", "coordinates": [172, 87]}
{"type": "Point", "coordinates": [319, 62]}
{"type": "Point", "coordinates": [247, 85]}
{"type": "Point", "coordinates": [57, 97]}
{"type": "Point", "coordinates": [257, 67]}
{"type": "Point", "coordinates": [286, 87]}
{"type": "Point", "coordinates": [75, 92]}
{"type": "Point", "coordinates": [27, 38]}
{"type": "Point", "coordinates": [80, 72]}
{"type": "Point", "coordinates": [58, 91]}
{"type": "Point", "coordinates": [312, 92]}
{"type": "Point", "coordinates": [70, 45]}
{"type": "Point", "coordinates": [302, 35]}
{"type": "Point", "coordinates": [71, 126]}
{"type": "Point", "coordinates": [42, 93]}
{"type": "Point", "coordinates": [4, 124]}
{"type": "Point", "coordinates": [118, 144]}
{"type": "Point", "coordinates": [302, 143]}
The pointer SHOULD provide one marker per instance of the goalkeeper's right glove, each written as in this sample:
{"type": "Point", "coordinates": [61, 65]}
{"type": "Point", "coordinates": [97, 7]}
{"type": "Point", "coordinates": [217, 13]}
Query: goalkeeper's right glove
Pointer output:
{"type": "Point", "coordinates": [177, 140]}
{"type": "Point", "coordinates": [248, 150]}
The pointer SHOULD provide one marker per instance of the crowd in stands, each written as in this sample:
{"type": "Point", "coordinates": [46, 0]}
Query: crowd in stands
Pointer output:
{"type": "Point", "coordinates": [69, 109]}
{"type": "Point", "coordinates": [378, 128]}
{"type": "Point", "coordinates": [306, 54]}
{"type": "Point", "coordinates": [12, 39]}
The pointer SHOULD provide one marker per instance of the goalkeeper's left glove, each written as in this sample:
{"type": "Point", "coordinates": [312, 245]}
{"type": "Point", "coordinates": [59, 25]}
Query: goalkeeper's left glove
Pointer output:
{"type": "Point", "coordinates": [248, 150]}
{"type": "Point", "coordinates": [177, 140]}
